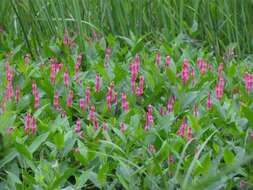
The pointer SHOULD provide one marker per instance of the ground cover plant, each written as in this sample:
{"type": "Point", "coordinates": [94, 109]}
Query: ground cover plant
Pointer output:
{"type": "Point", "coordinates": [124, 116]}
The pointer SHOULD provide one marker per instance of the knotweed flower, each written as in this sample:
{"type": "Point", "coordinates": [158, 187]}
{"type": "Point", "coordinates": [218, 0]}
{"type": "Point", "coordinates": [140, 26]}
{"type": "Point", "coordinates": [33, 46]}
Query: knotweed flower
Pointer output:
{"type": "Point", "coordinates": [104, 126]}
{"type": "Point", "coordinates": [137, 62]}
{"type": "Point", "coordinates": [95, 124]}
{"type": "Point", "coordinates": [209, 102]}
{"type": "Point", "coordinates": [220, 88]}
{"type": "Point", "coordinates": [52, 73]}
{"type": "Point", "coordinates": [34, 88]}
{"type": "Point", "coordinates": [87, 95]}
{"type": "Point", "coordinates": [27, 122]}
{"type": "Point", "coordinates": [115, 98]}
{"type": "Point", "coordinates": [161, 111]}
{"type": "Point", "coordinates": [202, 65]}
{"type": "Point", "coordinates": [92, 113]}
{"type": "Point", "coordinates": [70, 98]}
{"type": "Point", "coordinates": [98, 82]}
{"type": "Point", "coordinates": [108, 102]}
{"type": "Point", "coordinates": [141, 85]}
{"type": "Point", "coordinates": [167, 60]}
{"type": "Point", "coordinates": [9, 90]}
{"type": "Point", "coordinates": [34, 125]}
{"type": "Point", "coordinates": [220, 69]}
{"type": "Point", "coordinates": [158, 58]}
{"type": "Point", "coordinates": [189, 133]}
{"type": "Point", "coordinates": [150, 114]}
{"type": "Point", "coordinates": [170, 104]}
{"type": "Point", "coordinates": [82, 103]}
{"type": "Point", "coordinates": [56, 99]}
{"type": "Point", "coordinates": [66, 40]}
{"type": "Point", "coordinates": [185, 71]}
{"type": "Point", "coordinates": [124, 102]}
{"type": "Point", "coordinates": [8, 72]}
{"type": "Point", "coordinates": [248, 78]}
{"type": "Point", "coordinates": [17, 94]}
{"type": "Point", "coordinates": [66, 78]}
{"type": "Point", "coordinates": [78, 126]}
{"type": "Point", "coordinates": [122, 127]}
{"type": "Point", "coordinates": [36, 101]}
{"type": "Point", "coordinates": [183, 126]}
{"type": "Point", "coordinates": [107, 56]}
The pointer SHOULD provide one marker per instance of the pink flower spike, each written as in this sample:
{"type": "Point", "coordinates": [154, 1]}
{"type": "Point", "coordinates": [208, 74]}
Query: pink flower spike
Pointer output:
{"type": "Point", "coordinates": [95, 124]}
{"type": "Point", "coordinates": [92, 113]}
{"type": "Point", "coordinates": [17, 94]}
{"type": "Point", "coordinates": [87, 96]}
{"type": "Point", "coordinates": [34, 88]}
{"type": "Point", "coordinates": [220, 69]}
{"type": "Point", "coordinates": [209, 102]}
{"type": "Point", "coordinates": [53, 73]}
{"type": "Point", "coordinates": [70, 98]}
{"type": "Point", "coordinates": [195, 110]}
{"type": "Point", "coordinates": [124, 102]}
{"type": "Point", "coordinates": [189, 134]}
{"type": "Point", "coordinates": [104, 126]}
{"type": "Point", "coordinates": [78, 126]}
{"type": "Point", "coordinates": [98, 82]}
{"type": "Point", "coordinates": [185, 71]}
{"type": "Point", "coordinates": [107, 56]}
{"type": "Point", "coordinates": [8, 72]}
{"type": "Point", "coordinates": [167, 60]}
{"type": "Point", "coordinates": [34, 126]}
{"type": "Point", "coordinates": [248, 78]}
{"type": "Point", "coordinates": [82, 103]}
{"type": "Point", "coordinates": [27, 122]}
{"type": "Point", "coordinates": [66, 78]}
{"type": "Point", "coordinates": [56, 99]}
{"type": "Point", "coordinates": [66, 40]}
{"type": "Point", "coordinates": [158, 58]}
{"type": "Point", "coordinates": [122, 127]}
{"type": "Point", "coordinates": [36, 101]}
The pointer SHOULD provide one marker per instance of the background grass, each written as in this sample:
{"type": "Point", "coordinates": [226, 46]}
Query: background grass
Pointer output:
{"type": "Point", "coordinates": [222, 24]}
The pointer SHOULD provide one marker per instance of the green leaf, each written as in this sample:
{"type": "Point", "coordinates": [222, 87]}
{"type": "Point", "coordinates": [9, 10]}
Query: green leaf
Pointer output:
{"type": "Point", "coordinates": [229, 156]}
{"type": "Point", "coordinates": [38, 141]}
{"type": "Point", "coordinates": [23, 151]}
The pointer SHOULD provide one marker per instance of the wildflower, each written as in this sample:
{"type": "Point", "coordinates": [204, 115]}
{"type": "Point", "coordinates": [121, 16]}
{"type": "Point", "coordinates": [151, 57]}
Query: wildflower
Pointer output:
{"type": "Point", "coordinates": [107, 56]}
{"type": "Point", "coordinates": [36, 100]}
{"type": "Point", "coordinates": [209, 102]}
{"type": "Point", "coordinates": [87, 96]}
{"type": "Point", "coordinates": [115, 98]}
{"type": "Point", "coordinates": [104, 126]}
{"type": "Point", "coordinates": [98, 82]}
{"type": "Point", "coordinates": [92, 113]}
{"type": "Point", "coordinates": [219, 88]}
{"type": "Point", "coordinates": [66, 78]}
{"type": "Point", "coordinates": [220, 69]}
{"type": "Point", "coordinates": [122, 127]}
{"type": "Point", "coordinates": [108, 102]}
{"type": "Point", "coordinates": [167, 60]}
{"type": "Point", "coordinates": [183, 126]}
{"type": "Point", "coordinates": [161, 111]}
{"type": "Point", "coordinates": [137, 62]}
{"type": "Point", "coordinates": [170, 105]}
{"type": "Point", "coordinates": [9, 90]}
{"type": "Point", "coordinates": [56, 99]}
{"type": "Point", "coordinates": [34, 88]}
{"type": "Point", "coordinates": [17, 94]}
{"type": "Point", "coordinates": [70, 98]}
{"type": "Point", "coordinates": [66, 40]}
{"type": "Point", "coordinates": [27, 121]}
{"type": "Point", "coordinates": [158, 58]}
{"type": "Point", "coordinates": [34, 125]}
{"type": "Point", "coordinates": [82, 103]}
{"type": "Point", "coordinates": [150, 115]}
{"type": "Point", "coordinates": [52, 73]}
{"type": "Point", "coordinates": [248, 78]}
{"type": "Point", "coordinates": [185, 71]}
{"type": "Point", "coordinates": [78, 126]}
{"type": "Point", "coordinates": [8, 72]}
{"type": "Point", "coordinates": [9, 130]}
{"type": "Point", "coordinates": [202, 65]}
{"type": "Point", "coordinates": [95, 124]}
{"type": "Point", "coordinates": [141, 86]}
{"type": "Point", "coordinates": [189, 133]}
{"type": "Point", "coordinates": [124, 102]}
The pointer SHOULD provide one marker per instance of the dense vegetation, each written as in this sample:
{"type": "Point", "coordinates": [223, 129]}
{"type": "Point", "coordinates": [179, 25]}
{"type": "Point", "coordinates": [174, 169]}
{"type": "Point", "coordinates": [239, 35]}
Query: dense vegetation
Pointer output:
{"type": "Point", "coordinates": [126, 94]}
